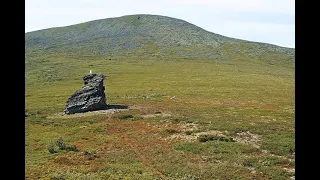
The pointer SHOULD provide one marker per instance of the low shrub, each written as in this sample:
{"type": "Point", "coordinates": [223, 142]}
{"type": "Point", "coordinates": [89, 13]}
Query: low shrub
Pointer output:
{"type": "Point", "coordinates": [125, 116]}
{"type": "Point", "coordinates": [211, 137]}
{"type": "Point", "coordinates": [171, 131]}
{"type": "Point", "coordinates": [59, 144]}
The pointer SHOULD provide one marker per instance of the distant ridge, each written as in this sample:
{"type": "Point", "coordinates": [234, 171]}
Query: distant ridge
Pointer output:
{"type": "Point", "coordinates": [146, 35]}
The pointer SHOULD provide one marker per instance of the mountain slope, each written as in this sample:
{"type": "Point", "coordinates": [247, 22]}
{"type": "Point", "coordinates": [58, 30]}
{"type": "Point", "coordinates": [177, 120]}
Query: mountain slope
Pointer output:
{"type": "Point", "coordinates": [146, 35]}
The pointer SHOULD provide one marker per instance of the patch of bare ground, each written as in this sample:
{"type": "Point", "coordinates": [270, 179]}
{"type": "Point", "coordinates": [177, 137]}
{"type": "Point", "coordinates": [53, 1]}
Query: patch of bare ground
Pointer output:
{"type": "Point", "coordinates": [252, 170]}
{"type": "Point", "coordinates": [192, 127]}
{"type": "Point", "coordinates": [156, 115]}
{"type": "Point", "coordinates": [248, 138]}
{"type": "Point", "coordinates": [291, 170]}
{"type": "Point", "coordinates": [189, 127]}
{"type": "Point", "coordinates": [85, 114]}
{"type": "Point", "coordinates": [194, 136]}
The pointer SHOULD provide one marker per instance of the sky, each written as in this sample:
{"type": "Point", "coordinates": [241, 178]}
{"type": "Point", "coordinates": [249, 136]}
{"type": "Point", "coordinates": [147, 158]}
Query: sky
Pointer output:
{"type": "Point", "coordinates": [268, 21]}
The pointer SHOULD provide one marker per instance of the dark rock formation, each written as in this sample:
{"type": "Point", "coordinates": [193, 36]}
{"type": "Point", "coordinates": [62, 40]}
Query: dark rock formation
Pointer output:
{"type": "Point", "coordinates": [90, 97]}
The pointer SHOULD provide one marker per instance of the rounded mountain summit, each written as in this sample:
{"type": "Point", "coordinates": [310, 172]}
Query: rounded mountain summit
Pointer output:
{"type": "Point", "coordinates": [146, 35]}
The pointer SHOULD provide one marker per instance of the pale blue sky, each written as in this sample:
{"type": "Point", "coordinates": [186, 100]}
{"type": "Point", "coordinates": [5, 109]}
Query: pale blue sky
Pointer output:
{"type": "Point", "coordinates": [269, 21]}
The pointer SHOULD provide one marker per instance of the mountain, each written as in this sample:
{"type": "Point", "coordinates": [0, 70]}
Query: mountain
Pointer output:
{"type": "Point", "coordinates": [182, 84]}
{"type": "Point", "coordinates": [149, 36]}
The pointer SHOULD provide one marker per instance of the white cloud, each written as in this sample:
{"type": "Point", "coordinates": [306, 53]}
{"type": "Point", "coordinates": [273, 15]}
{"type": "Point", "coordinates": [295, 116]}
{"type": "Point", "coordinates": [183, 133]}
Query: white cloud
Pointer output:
{"type": "Point", "coordinates": [271, 6]}
{"type": "Point", "coordinates": [259, 27]}
{"type": "Point", "coordinates": [63, 11]}
{"type": "Point", "coordinates": [31, 28]}
{"type": "Point", "coordinates": [278, 34]}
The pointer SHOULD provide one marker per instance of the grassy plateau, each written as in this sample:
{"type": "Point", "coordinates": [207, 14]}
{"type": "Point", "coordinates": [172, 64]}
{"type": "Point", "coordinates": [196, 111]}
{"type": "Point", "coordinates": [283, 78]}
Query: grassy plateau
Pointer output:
{"type": "Point", "coordinates": [232, 116]}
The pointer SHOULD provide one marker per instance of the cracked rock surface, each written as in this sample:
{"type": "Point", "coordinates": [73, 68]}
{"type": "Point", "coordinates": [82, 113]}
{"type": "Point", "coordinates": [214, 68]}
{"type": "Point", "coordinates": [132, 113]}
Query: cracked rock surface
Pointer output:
{"type": "Point", "coordinates": [90, 97]}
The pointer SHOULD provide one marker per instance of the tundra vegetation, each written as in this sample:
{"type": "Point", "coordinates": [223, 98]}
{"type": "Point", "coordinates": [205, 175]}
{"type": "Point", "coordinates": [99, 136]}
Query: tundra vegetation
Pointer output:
{"type": "Point", "coordinates": [232, 116]}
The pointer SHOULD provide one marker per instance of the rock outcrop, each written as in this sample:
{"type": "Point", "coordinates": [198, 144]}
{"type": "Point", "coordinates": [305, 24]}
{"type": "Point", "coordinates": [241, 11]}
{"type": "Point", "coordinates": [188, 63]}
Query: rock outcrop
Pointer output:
{"type": "Point", "coordinates": [90, 97]}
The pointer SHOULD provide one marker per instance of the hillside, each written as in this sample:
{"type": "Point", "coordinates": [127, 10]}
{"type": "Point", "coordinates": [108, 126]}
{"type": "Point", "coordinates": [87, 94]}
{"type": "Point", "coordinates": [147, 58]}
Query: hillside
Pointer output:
{"type": "Point", "coordinates": [200, 105]}
{"type": "Point", "coordinates": [146, 35]}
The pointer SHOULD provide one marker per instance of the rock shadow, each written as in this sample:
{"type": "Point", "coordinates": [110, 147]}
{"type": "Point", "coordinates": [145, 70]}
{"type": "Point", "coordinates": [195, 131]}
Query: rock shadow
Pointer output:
{"type": "Point", "coordinates": [116, 106]}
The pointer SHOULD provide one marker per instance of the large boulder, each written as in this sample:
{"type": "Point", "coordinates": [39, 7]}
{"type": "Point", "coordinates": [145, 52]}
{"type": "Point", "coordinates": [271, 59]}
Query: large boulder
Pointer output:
{"type": "Point", "coordinates": [90, 97]}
